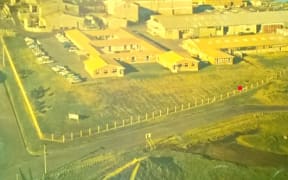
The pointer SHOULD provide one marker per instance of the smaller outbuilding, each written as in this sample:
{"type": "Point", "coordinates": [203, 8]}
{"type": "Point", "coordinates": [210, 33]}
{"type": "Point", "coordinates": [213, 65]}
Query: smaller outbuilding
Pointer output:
{"type": "Point", "coordinates": [176, 62]}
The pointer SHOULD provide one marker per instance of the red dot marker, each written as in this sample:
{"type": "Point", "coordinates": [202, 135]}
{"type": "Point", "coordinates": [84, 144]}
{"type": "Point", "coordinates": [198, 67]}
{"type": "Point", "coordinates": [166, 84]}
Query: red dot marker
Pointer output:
{"type": "Point", "coordinates": [240, 88]}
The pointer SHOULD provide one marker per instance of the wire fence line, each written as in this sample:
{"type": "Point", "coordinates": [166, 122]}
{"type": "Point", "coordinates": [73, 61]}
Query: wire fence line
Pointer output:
{"type": "Point", "coordinates": [160, 113]}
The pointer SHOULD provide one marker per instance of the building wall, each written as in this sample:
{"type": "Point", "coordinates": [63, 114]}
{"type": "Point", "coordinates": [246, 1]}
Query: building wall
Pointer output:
{"type": "Point", "coordinates": [107, 71]}
{"type": "Point", "coordinates": [242, 29]}
{"type": "Point", "coordinates": [122, 9]}
{"type": "Point", "coordinates": [223, 61]}
{"type": "Point", "coordinates": [236, 3]}
{"type": "Point", "coordinates": [155, 28]}
{"type": "Point", "coordinates": [172, 34]}
{"type": "Point", "coordinates": [147, 58]}
{"type": "Point", "coordinates": [71, 9]}
{"type": "Point", "coordinates": [216, 60]}
{"type": "Point", "coordinates": [188, 65]}
{"type": "Point", "coordinates": [207, 31]}
{"type": "Point", "coordinates": [271, 28]}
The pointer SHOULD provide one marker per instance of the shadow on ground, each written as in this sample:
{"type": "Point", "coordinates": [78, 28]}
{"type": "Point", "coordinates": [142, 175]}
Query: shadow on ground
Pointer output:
{"type": "Point", "coordinates": [203, 65]}
{"type": "Point", "coordinates": [2, 77]}
{"type": "Point", "coordinates": [128, 67]}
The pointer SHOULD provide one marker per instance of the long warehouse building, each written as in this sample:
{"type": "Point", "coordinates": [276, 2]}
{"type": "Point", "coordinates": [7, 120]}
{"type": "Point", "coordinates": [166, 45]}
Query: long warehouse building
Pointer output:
{"type": "Point", "coordinates": [209, 25]}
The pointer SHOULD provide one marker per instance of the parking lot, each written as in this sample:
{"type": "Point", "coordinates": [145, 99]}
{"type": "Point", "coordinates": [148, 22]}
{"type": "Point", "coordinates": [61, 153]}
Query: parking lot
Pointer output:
{"type": "Point", "coordinates": [60, 59]}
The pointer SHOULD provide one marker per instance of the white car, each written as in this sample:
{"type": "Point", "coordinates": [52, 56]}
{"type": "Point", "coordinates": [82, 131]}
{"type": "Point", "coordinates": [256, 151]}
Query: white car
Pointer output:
{"type": "Point", "coordinates": [63, 72]}
{"type": "Point", "coordinates": [28, 39]}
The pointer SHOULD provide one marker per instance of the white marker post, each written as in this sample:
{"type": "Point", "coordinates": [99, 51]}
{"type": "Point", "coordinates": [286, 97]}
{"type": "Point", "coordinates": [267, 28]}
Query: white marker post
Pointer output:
{"type": "Point", "coordinates": [3, 54]}
{"type": "Point", "coordinates": [45, 159]}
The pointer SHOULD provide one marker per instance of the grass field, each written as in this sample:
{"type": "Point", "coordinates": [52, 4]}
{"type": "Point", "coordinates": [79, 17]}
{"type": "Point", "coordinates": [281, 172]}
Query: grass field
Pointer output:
{"type": "Point", "coordinates": [147, 88]}
{"type": "Point", "coordinates": [171, 165]}
{"type": "Point", "coordinates": [276, 93]}
{"type": "Point", "coordinates": [272, 135]}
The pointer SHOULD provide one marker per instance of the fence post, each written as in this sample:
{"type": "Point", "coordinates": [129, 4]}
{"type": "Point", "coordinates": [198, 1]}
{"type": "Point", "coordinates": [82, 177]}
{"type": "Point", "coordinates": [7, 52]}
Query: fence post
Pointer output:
{"type": "Point", "coordinates": [153, 115]}
{"type": "Point", "coordinates": [175, 109]}
{"type": "Point", "coordinates": [262, 81]}
{"type": "Point", "coordinates": [107, 127]}
{"type": "Point", "coordinates": [115, 124]}
{"type": "Point", "coordinates": [221, 96]}
{"type": "Point", "coordinates": [146, 116]}
{"type": "Point", "coordinates": [234, 92]}
{"type": "Point", "coordinates": [63, 138]}
{"type": "Point", "coordinates": [89, 131]}
{"type": "Point", "coordinates": [98, 129]}
{"type": "Point", "coordinates": [228, 94]}
{"type": "Point", "coordinates": [252, 86]}
{"type": "Point", "coordinates": [214, 99]}
{"type": "Point", "coordinates": [160, 113]}
{"type": "Point", "coordinates": [52, 137]}
{"type": "Point", "coordinates": [167, 111]}
{"type": "Point", "coordinates": [80, 133]}
{"type": "Point", "coordinates": [189, 105]}
{"type": "Point", "coordinates": [123, 123]}
{"type": "Point", "coordinates": [208, 100]}
{"type": "Point", "coordinates": [139, 118]}
{"type": "Point", "coordinates": [257, 84]}
{"type": "Point", "coordinates": [182, 107]}
{"type": "Point", "coordinates": [131, 120]}
{"type": "Point", "coordinates": [71, 136]}
{"type": "Point", "coordinates": [202, 101]}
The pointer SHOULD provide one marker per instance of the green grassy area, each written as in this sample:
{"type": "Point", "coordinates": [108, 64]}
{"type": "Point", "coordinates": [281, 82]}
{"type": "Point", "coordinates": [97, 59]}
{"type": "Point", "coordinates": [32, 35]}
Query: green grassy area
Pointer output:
{"type": "Point", "coordinates": [272, 135]}
{"type": "Point", "coordinates": [148, 88]}
{"type": "Point", "coordinates": [22, 116]}
{"type": "Point", "coordinates": [275, 93]}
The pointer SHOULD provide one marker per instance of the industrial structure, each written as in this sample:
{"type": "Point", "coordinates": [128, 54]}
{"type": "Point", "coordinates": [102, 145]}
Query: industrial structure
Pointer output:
{"type": "Point", "coordinates": [177, 7]}
{"type": "Point", "coordinates": [223, 50]}
{"type": "Point", "coordinates": [209, 25]}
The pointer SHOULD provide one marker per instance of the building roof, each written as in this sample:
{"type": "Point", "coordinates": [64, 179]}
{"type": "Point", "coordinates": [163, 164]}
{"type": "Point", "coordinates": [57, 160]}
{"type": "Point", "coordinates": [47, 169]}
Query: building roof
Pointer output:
{"type": "Point", "coordinates": [121, 37]}
{"type": "Point", "coordinates": [205, 20]}
{"type": "Point", "coordinates": [170, 58]}
{"type": "Point", "coordinates": [105, 32]}
{"type": "Point", "coordinates": [214, 46]}
{"type": "Point", "coordinates": [115, 42]}
{"type": "Point", "coordinates": [83, 42]}
{"type": "Point", "coordinates": [239, 41]}
{"type": "Point", "coordinates": [216, 53]}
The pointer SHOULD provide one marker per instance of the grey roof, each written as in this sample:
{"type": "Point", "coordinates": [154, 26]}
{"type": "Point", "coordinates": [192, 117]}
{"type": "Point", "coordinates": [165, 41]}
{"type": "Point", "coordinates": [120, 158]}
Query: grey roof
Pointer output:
{"type": "Point", "coordinates": [204, 20]}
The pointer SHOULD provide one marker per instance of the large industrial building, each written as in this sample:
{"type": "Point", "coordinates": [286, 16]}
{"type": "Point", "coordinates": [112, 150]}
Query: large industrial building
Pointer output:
{"type": "Point", "coordinates": [209, 25]}
{"type": "Point", "coordinates": [222, 50]}
{"type": "Point", "coordinates": [176, 7]}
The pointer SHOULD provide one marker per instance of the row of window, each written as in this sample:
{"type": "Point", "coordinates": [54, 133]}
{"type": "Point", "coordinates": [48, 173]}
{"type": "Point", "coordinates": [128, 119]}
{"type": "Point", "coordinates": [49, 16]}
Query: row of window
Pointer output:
{"type": "Point", "coordinates": [106, 71]}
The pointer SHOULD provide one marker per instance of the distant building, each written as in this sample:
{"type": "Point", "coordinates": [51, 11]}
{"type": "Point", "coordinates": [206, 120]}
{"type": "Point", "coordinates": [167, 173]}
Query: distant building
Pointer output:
{"type": "Point", "coordinates": [176, 62]}
{"type": "Point", "coordinates": [209, 25]}
{"type": "Point", "coordinates": [177, 7]}
{"type": "Point", "coordinates": [70, 8]}
{"type": "Point", "coordinates": [95, 65]}
{"type": "Point", "coordinates": [122, 9]}
{"type": "Point", "coordinates": [169, 7]}
{"type": "Point", "coordinates": [222, 50]}
{"type": "Point", "coordinates": [121, 45]}
{"type": "Point", "coordinates": [108, 49]}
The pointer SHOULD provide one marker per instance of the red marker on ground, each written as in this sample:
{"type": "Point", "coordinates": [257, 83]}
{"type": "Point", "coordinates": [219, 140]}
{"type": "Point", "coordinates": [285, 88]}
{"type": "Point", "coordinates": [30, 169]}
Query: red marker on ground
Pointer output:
{"type": "Point", "coordinates": [240, 88]}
